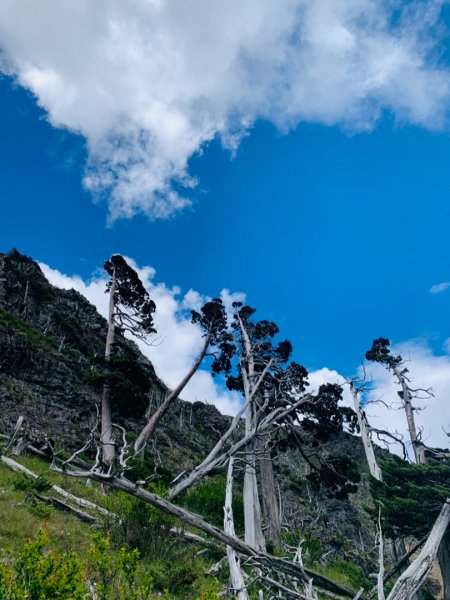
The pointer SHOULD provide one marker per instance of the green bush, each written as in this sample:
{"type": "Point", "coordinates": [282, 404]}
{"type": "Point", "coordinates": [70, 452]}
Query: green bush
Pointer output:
{"type": "Point", "coordinates": [208, 499]}
{"type": "Point", "coordinates": [41, 573]}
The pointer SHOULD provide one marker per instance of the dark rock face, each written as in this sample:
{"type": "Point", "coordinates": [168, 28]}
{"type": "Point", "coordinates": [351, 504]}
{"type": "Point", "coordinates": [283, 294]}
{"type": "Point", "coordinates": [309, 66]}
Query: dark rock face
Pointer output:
{"type": "Point", "coordinates": [48, 340]}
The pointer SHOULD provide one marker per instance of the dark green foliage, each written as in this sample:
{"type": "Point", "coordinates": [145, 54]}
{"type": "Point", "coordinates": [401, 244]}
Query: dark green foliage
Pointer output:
{"type": "Point", "coordinates": [20, 481]}
{"type": "Point", "coordinates": [323, 416]}
{"type": "Point", "coordinates": [411, 495]}
{"type": "Point", "coordinates": [129, 380]}
{"type": "Point", "coordinates": [134, 308]}
{"type": "Point", "coordinates": [140, 525]}
{"type": "Point", "coordinates": [213, 320]}
{"type": "Point", "coordinates": [264, 350]}
{"type": "Point", "coordinates": [337, 475]}
{"type": "Point", "coordinates": [208, 498]}
{"type": "Point", "coordinates": [380, 353]}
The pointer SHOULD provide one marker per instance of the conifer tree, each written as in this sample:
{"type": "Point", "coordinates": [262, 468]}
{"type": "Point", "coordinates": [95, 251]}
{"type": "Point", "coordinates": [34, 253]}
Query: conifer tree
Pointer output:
{"type": "Point", "coordinates": [130, 309]}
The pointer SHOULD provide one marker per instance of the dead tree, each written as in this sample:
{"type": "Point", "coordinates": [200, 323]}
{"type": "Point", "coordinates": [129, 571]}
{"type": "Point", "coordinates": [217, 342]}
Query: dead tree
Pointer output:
{"type": "Point", "coordinates": [364, 430]}
{"type": "Point", "coordinates": [234, 562]}
{"type": "Point", "coordinates": [411, 580]}
{"type": "Point", "coordinates": [381, 354]}
{"type": "Point", "coordinates": [258, 361]}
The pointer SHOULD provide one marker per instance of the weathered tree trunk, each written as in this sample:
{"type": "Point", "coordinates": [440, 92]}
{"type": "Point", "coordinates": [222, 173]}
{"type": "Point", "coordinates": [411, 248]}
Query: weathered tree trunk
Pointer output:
{"type": "Point", "coordinates": [234, 562]}
{"type": "Point", "coordinates": [380, 575]}
{"type": "Point", "coordinates": [418, 448]}
{"type": "Point", "coordinates": [443, 557]}
{"type": "Point", "coordinates": [252, 508]}
{"type": "Point", "coordinates": [270, 507]}
{"type": "Point", "coordinates": [374, 469]}
{"type": "Point", "coordinates": [415, 575]}
{"type": "Point", "coordinates": [108, 448]}
{"type": "Point", "coordinates": [15, 466]}
{"type": "Point", "coordinates": [204, 467]}
{"type": "Point", "coordinates": [153, 421]}
{"type": "Point", "coordinates": [398, 551]}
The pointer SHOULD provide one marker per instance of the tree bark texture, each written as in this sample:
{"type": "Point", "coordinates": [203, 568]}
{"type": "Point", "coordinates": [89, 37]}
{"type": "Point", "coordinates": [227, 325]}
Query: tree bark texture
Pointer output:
{"type": "Point", "coordinates": [269, 497]}
{"type": "Point", "coordinates": [418, 449]}
{"type": "Point", "coordinates": [234, 562]}
{"type": "Point", "coordinates": [108, 448]}
{"type": "Point", "coordinates": [413, 578]}
{"type": "Point", "coordinates": [374, 469]}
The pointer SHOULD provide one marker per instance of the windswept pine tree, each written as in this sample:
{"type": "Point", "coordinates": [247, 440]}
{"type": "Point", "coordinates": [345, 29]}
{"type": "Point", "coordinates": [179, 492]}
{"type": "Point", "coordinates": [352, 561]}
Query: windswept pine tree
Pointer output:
{"type": "Point", "coordinates": [130, 310]}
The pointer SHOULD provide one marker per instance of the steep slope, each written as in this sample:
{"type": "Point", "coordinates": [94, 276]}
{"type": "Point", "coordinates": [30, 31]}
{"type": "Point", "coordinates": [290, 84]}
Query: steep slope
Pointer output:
{"type": "Point", "coordinates": [50, 342]}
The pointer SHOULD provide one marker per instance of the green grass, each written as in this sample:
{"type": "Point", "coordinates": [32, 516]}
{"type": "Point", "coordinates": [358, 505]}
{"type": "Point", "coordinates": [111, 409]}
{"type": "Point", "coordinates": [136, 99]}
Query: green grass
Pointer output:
{"type": "Point", "coordinates": [14, 324]}
{"type": "Point", "coordinates": [171, 563]}
{"type": "Point", "coordinates": [19, 522]}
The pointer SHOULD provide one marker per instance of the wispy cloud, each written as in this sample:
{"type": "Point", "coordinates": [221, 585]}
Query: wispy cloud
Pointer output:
{"type": "Point", "coordinates": [149, 82]}
{"type": "Point", "coordinates": [439, 287]}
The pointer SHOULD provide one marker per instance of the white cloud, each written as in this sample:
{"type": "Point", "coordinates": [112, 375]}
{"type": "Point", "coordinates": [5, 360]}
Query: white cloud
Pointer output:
{"type": "Point", "coordinates": [325, 375]}
{"type": "Point", "coordinates": [179, 340]}
{"type": "Point", "coordinates": [439, 287]}
{"type": "Point", "coordinates": [149, 82]}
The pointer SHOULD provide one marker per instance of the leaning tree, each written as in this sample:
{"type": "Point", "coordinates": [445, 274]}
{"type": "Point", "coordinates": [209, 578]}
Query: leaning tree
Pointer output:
{"type": "Point", "coordinates": [212, 320]}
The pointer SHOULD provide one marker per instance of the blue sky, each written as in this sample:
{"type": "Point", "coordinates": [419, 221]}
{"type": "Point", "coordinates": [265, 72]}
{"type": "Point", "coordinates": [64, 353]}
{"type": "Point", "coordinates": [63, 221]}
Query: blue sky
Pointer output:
{"type": "Point", "coordinates": [337, 237]}
{"type": "Point", "coordinates": [297, 154]}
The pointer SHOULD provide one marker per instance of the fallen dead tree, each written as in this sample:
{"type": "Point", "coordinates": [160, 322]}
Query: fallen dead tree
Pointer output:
{"type": "Point", "coordinates": [270, 564]}
{"type": "Point", "coordinates": [15, 466]}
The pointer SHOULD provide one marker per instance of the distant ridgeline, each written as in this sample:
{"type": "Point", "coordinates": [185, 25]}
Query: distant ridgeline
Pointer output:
{"type": "Point", "coordinates": [51, 372]}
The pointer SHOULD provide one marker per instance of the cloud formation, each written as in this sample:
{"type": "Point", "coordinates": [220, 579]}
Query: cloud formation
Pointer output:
{"type": "Point", "coordinates": [438, 288]}
{"type": "Point", "coordinates": [149, 82]}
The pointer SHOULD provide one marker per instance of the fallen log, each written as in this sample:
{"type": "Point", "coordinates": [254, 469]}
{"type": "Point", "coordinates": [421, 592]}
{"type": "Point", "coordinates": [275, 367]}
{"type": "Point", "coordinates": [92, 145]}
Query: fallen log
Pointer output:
{"type": "Point", "coordinates": [15, 466]}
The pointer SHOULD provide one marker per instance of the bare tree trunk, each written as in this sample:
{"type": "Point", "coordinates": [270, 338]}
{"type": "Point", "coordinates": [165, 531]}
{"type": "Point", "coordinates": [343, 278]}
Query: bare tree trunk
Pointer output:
{"type": "Point", "coordinates": [415, 575]}
{"type": "Point", "coordinates": [203, 468]}
{"type": "Point", "coordinates": [374, 469]}
{"type": "Point", "coordinates": [443, 556]}
{"type": "Point", "coordinates": [153, 421]}
{"type": "Point", "coordinates": [380, 575]}
{"type": "Point", "coordinates": [252, 508]}
{"type": "Point", "coordinates": [15, 466]}
{"type": "Point", "coordinates": [269, 493]}
{"type": "Point", "coordinates": [234, 562]}
{"type": "Point", "coordinates": [419, 450]}
{"type": "Point", "coordinates": [398, 550]}
{"type": "Point", "coordinates": [108, 448]}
